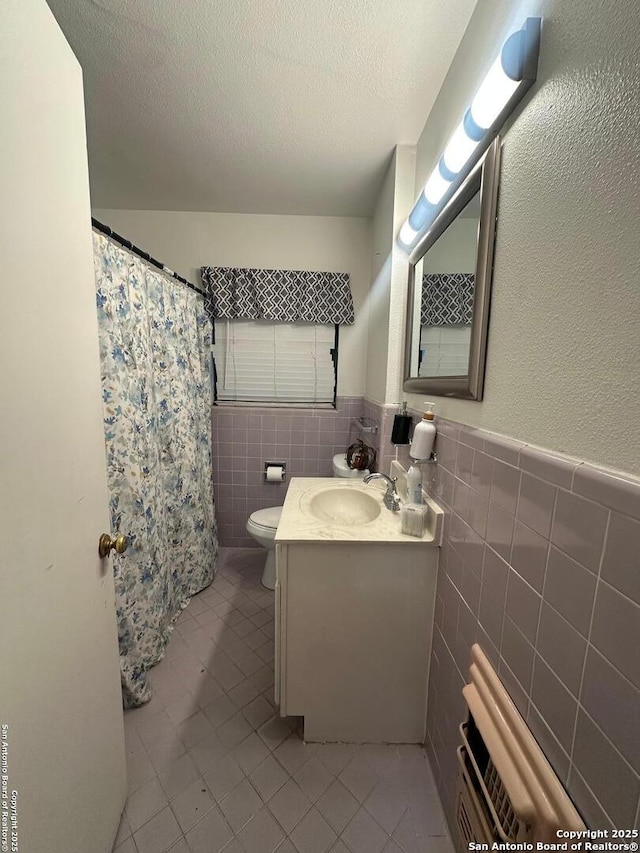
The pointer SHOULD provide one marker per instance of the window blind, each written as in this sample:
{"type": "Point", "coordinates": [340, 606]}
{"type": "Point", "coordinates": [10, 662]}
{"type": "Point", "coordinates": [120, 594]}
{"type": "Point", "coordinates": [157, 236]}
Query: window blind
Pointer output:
{"type": "Point", "coordinates": [265, 361]}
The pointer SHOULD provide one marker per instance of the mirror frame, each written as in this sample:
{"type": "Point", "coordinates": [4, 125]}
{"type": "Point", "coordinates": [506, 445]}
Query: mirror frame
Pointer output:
{"type": "Point", "coordinates": [484, 179]}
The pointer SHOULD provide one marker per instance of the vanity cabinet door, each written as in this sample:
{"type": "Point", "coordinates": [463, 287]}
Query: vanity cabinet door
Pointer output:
{"type": "Point", "coordinates": [354, 627]}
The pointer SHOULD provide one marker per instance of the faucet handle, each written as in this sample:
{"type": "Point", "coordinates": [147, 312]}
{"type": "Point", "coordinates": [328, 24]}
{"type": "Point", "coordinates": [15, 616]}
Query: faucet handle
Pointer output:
{"type": "Point", "coordinates": [391, 498]}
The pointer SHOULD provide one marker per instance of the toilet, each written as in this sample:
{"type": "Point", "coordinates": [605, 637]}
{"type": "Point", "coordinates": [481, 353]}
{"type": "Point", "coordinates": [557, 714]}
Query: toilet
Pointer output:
{"type": "Point", "coordinates": [262, 526]}
{"type": "Point", "coordinates": [263, 523]}
{"type": "Point", "coordinates": [341, 469]}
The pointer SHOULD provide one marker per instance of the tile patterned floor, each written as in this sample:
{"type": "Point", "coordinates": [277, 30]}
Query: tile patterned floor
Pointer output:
{"type": "Point", "coordinates": [212, 766]}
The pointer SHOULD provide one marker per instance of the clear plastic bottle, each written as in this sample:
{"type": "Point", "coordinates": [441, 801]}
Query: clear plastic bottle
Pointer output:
{"type": "Point", "coordinates": [424, 435]}
{"type": "Point", "coordinates": [414, 484]}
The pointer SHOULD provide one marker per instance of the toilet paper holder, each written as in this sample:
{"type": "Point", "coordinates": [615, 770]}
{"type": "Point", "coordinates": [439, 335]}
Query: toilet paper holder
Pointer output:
{"type": "Point", "coordinates": [282, 465]}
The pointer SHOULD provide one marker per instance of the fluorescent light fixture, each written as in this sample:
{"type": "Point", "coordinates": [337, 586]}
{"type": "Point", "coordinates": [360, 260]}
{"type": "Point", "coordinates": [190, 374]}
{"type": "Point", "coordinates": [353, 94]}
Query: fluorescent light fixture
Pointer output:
{"type": "Point", "coordinates": [436, 186]}
{"type": "Point", "coordinates": [493, 95]}
{"type": "Point", "coordinates": [407, 234]}
{"type": "Point", "coordinates": [509, 77]}
{"type": "Point", "coordinates": [459, 148]}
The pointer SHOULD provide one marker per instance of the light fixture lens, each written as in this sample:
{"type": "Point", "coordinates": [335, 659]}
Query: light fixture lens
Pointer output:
{"type": "Point", "coordinates": [421, 212]}
{"type": "Point", "coordinates": [459, 148]}
{"type": "Point", "coordinates": [436, 186]}
{"type": "Point", "coordinates": [492, 96]}
{"type": "Point", "coordinates": [407, 234]}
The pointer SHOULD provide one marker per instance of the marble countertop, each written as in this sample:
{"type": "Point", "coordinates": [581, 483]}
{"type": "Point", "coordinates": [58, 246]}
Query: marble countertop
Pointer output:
{"type": "Point", "coordinates": [297, 524]}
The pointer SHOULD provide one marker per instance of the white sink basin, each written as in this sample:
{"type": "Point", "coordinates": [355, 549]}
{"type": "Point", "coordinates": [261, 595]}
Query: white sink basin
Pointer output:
{"type": "Point", "coordinates": [323, 509]}
{"type": "Point", "coordinates": [343, 506]}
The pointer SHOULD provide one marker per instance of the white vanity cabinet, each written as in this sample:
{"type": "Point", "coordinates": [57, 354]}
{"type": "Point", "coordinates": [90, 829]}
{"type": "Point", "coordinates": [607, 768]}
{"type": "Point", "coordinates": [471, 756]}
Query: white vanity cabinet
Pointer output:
{"type": "Point", "coordinates": [354, 619]}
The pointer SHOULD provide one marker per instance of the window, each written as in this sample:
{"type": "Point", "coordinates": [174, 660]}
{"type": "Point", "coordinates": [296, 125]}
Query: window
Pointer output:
{"type": "Point", "coordinates": [272, 362]}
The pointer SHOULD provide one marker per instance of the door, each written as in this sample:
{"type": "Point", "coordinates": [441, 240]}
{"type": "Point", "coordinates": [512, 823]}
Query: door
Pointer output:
{"type": "Point", "coordinates": [62, 741]}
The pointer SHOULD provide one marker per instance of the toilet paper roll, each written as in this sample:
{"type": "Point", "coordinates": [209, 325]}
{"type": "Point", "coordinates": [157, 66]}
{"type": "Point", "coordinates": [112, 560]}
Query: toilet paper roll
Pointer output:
{"type": "Point", "coordinates": [275, 474]}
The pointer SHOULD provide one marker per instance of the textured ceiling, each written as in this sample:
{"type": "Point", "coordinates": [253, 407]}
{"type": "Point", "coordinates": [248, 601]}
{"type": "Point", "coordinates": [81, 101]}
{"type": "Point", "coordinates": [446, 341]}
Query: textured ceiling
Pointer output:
{"type": "Point", "coordinates": [262, 106]}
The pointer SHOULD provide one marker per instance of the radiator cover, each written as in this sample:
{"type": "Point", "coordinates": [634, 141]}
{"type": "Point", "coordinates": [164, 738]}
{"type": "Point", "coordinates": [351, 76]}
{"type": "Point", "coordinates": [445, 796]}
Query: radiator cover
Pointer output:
{"type": "Point", "coordinates": [507, 790]}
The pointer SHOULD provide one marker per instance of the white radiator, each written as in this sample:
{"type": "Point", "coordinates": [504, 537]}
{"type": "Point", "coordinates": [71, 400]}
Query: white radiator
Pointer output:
{"type": "Point", "coordinates": [507, 790]}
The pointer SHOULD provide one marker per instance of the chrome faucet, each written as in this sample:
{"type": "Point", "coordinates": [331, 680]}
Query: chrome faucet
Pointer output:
{"type": "Point", "coordinates": [391, 499]}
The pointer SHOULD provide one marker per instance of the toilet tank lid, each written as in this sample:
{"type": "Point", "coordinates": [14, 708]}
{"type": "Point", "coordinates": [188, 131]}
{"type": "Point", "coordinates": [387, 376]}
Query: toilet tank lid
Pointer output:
{"type": "Point", "coordinates": [340, 461]}
{"type": "Point", "coordinates": [269, 517]}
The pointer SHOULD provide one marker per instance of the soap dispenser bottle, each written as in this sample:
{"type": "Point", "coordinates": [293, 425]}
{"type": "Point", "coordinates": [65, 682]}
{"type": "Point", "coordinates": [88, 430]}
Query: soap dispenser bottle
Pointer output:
{"type": "Point", "coordinates": [424, 435]}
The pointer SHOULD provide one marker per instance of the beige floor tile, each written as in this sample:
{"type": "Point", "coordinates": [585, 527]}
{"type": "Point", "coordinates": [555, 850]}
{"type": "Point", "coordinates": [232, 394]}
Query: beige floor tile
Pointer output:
{"type": "Point", "coordinates": [313, 834]}
{"type": "Point", "coordinates": [192, 804]}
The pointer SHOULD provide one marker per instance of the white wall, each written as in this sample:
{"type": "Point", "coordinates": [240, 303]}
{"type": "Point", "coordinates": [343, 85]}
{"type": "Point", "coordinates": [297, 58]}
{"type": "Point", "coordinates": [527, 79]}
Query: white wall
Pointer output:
{"type": "Point", "coordinates": [405, 172]}
{"type": "Point", "coordinates": [380, 291]}
{"type": "Point", "coordinates": [186, 241]}
{"type": "Point", "coordinates": [456, 250]}
{"type": "Point", "coordinates": [388, 294]}
{"type": "Point", "coordinates": [563, 362]}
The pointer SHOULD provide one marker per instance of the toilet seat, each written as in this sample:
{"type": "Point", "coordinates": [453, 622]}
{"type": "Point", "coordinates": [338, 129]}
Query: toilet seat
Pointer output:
{"type": "Point", "coordinates": [266, 519]}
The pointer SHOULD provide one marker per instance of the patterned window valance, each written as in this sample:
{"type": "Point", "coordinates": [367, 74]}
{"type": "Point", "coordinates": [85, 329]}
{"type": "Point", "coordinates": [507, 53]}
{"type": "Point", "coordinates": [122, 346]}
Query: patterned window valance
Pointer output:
{"type": "Point", "coordinates": [447, 299]}
{"type": "Point", "coordinates": [289, 295]}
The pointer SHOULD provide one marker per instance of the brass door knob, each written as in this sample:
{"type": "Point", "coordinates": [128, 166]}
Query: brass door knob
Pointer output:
{"type": "Point", "coordinates": [106, 545]}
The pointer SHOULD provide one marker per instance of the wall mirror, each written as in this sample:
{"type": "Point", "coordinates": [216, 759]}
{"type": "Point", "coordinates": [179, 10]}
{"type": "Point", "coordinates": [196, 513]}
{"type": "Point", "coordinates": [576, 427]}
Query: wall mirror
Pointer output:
{"type": "Point", "coordinates": [450, 271]}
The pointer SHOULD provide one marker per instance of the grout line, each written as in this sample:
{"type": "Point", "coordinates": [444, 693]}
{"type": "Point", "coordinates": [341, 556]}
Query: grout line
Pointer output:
{"type": "Point", "coordinates": [618, 672]}
{"type": "Point", "coordinates": [542, 602]}
{"type": "Point", "coordinates": [573, 477]}
{"type": "Point", "coordinates": [533, 705]}
{"type": "Point", "coordinates": [584, 663]}
{"type": "Point", "coordinates": [610, 743]}
{"type": "Point", "coordinates": [588, 787]}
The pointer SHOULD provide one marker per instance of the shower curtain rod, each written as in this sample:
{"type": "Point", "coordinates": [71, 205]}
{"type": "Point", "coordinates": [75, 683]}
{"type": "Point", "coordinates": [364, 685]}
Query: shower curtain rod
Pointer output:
{"type": "Point", "coordinates": [99, 226]}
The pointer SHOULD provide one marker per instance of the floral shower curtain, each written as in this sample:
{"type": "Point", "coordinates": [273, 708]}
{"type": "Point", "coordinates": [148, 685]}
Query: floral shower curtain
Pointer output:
{"type": "Point", "coordinates": [154, 351]}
